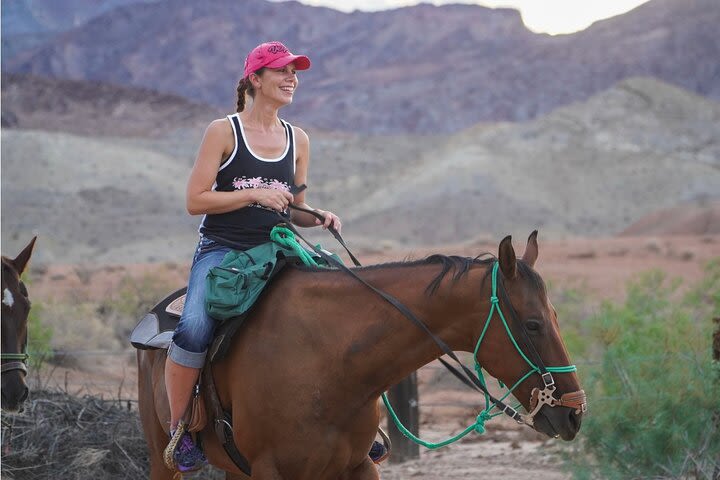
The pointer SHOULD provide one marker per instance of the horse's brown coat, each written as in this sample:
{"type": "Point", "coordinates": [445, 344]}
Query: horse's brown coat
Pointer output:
{"type": "Point", "coordinates": [305, 374]}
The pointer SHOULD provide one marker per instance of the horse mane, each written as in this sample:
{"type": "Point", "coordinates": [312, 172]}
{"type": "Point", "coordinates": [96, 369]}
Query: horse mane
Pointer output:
{"type": "Point", "coordinates": [458, 265]}
{"type": "Point", "coordinates": [526, 271]}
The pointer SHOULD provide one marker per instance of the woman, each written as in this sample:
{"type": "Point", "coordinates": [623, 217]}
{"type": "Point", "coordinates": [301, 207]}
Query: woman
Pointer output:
{"type": "Point", "coordinates": [241, 179]}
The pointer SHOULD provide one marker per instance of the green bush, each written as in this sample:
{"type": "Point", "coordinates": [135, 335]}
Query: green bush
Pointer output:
{"type": "Point", "coordinates": [654, 393]}
{"type": "Point", "coordinates": [39, 334]}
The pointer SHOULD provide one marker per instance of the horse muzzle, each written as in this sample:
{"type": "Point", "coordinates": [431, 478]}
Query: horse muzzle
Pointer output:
{"type": "Point", "coordinates": [556, 417]}
{"type": "Point", "coordinates": [14, 388]}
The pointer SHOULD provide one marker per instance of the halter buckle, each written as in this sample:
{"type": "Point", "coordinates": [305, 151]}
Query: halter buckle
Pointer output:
{"type": "Point", "coordinates": [514, 414]}
{"type": "Point", "coordinates": [548, 379]}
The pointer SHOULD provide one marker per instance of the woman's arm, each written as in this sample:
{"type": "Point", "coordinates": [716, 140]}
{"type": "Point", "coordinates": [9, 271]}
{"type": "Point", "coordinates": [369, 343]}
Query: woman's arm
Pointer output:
{"type": "Point", "coordinates": [303, 219]}
{"type": "Point", "coordinates": [217, 143]}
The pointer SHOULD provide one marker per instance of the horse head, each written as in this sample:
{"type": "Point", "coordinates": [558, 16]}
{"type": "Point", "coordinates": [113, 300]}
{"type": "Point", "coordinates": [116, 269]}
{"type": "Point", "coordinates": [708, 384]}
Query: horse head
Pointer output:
{"type": "Point", "coordinates": [15, 310]}
{"type": "Point", "coordinates": [523, 348]}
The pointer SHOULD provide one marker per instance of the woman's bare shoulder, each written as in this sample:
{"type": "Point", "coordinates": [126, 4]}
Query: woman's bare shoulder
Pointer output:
{"type": "Point", "coordinates": [220, 130]}
{"type": "Point", "coordinates": [300, 135]}
{"type": "Point", "coordinates": [220, 125]}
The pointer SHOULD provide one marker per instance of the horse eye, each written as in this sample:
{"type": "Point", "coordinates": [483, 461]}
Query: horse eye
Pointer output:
{"type": "Point", "coordinates": [533, 325]}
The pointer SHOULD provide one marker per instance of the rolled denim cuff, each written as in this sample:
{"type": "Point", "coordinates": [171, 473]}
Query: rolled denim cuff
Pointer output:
{"type": "Point", "coordinates": [186, 359]}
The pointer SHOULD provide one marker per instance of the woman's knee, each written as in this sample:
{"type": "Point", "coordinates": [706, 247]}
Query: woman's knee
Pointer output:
{"type": "Point", "coordinates": [195, 331]}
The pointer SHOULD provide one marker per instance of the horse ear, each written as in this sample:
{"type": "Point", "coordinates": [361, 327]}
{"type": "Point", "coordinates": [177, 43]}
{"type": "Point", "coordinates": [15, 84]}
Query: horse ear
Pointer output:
{"type": "Point", "coordinates": [506, 256]}
{"type": "Point", "coordinates": [21, 261]}
{"type": "Point", "coordinates": [531, 250]}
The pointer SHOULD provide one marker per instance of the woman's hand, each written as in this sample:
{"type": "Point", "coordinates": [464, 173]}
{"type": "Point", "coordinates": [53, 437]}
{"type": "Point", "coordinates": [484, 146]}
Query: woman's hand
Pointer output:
{"type": "Point", "coordinates": [330, 220]}
{"type": "Point", "coordinates": [277, 200]}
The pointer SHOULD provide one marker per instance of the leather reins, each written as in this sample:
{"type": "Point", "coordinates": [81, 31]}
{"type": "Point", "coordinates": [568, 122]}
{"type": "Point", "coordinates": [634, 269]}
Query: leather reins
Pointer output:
{"type": "Point", "coordinates": [543, 397]}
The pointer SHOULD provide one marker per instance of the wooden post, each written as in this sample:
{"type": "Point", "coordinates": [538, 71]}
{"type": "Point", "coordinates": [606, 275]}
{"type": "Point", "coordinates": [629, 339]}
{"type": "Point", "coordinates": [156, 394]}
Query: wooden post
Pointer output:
{"type": "Point", "coordinates": [404, 399]}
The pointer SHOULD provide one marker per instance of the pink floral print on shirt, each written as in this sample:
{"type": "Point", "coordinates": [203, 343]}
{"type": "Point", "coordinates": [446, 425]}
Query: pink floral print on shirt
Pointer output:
{"type": "Point", "coordinates": [241, 183]}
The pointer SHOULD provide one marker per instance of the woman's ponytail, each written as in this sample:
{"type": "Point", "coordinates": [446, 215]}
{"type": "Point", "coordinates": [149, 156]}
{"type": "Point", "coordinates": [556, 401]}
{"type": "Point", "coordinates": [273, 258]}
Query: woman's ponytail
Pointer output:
{"type": "Point", "coordinates": [241, 89]}
{"type": "Point", "coordinates": [245, 87]}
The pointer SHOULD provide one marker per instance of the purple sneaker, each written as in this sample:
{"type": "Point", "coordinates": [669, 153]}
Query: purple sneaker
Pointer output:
{"type": "Point", "coordinates": [188, 456]}
{"type": "Point", "coordinates": [378, 452]}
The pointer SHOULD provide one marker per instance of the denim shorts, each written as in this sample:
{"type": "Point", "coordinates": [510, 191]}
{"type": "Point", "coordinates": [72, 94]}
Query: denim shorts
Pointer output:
{"type": "Point", "coordinates": [194, 332]}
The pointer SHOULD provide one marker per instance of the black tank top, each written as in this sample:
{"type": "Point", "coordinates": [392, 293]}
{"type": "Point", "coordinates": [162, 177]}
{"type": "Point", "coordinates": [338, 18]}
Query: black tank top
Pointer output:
{"type": "Point", "coordinates": [249, 226]}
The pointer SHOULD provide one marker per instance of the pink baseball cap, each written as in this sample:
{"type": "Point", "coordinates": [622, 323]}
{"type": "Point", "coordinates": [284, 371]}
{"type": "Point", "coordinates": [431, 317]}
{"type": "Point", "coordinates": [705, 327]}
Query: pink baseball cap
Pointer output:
{"type": "Point", "coordinates": [273, 55]}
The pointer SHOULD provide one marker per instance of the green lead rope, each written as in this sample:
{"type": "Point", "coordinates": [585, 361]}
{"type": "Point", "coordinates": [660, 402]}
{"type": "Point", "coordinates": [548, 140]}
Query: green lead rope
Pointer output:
{"type": "Point", "coordinates": [285, 237]}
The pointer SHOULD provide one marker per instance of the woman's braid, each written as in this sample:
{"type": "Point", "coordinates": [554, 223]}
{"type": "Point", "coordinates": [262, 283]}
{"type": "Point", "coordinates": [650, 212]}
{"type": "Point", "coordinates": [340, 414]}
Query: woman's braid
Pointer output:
{"type": "Point", "coordinates": [241, 88]}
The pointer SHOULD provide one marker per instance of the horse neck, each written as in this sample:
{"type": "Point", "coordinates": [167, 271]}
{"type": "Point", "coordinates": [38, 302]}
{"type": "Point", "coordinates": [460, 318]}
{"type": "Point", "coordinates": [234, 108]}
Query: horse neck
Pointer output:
{"type": "Point", "coordinates": [385, 346]}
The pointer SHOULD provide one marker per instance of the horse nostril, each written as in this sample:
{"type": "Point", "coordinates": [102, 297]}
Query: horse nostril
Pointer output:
{"type": "Point", "coordinates": [574, 420]}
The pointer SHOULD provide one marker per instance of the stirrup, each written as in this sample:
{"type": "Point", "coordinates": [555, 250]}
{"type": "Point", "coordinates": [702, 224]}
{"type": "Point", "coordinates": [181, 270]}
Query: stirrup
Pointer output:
{"type": "Point", "coordinates": [169, 453]}
{"type": "Point", "coordinates": [386, 445]}
{"type": "Point", "coordinates": [378, 452]}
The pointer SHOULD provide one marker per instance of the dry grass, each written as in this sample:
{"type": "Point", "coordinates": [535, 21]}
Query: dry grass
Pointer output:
{"type": "Point", "coordinates": [76, 438]}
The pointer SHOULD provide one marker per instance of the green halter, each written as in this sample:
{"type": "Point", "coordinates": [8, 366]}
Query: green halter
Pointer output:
{"type": "Point", "coordinates": [485, 415]}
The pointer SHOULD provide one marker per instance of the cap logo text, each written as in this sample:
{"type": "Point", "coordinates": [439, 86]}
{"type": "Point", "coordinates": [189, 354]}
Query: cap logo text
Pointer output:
{"type": "Point", "coordinates": [277, 48]}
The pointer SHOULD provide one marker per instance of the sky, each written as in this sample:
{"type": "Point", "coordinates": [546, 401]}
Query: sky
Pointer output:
{"type": "Point", "coordinates": [540, 16]}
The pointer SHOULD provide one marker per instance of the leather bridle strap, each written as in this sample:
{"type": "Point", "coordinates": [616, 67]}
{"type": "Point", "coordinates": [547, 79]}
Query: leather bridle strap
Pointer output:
{"type": "Point", "coordinates": [529, 347]}
{"type": "Point", "coordinates": [469, 377]}
{"type": "Point", "coordinates": [10, 366]}
{"type": "Point", "coordinates": [315, 214]}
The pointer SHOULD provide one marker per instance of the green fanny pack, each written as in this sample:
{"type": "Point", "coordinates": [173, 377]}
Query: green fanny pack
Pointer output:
{"type": "Point", "coordinates": [233, 286]}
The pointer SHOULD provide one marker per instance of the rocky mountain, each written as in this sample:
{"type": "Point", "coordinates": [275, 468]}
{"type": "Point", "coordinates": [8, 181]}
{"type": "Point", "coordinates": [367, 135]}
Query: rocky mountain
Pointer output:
{"type": "Point", "coordinates": [588, 169]}
{"type": "Point", "coordinates": [591, 168]}
{"type": "Point", "coordinates": [420, 69]}
{"type": "Point", "coordinates": [93, 108]}
{"type": "Point", "coordinates": [30, 23]}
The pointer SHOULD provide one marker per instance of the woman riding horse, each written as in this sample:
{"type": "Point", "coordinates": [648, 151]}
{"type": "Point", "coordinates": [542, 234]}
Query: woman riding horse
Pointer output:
{"type": "Point", "coordinates": [242, 176]}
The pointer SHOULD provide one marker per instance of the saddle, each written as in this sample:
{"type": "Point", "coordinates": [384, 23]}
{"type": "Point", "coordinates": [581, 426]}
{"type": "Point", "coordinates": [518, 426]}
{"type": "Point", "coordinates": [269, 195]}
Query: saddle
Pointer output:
{"type": "Point", "coordinates": [156, 328]}
{"type": "Point", "coordinates": [233, 288]}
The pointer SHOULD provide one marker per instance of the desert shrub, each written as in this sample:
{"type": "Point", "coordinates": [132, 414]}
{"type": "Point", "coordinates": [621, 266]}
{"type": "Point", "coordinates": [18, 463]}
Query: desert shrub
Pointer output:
{"type": "Point", "coordinates": [80, 322]}
{"type": "Point", "coordinates": [573, 305]}
{"type": "Point", "coordinates": [654, 394]}
{"type": "Point", "coordinates": [40, 334]}
{"type": "Point", "coordinates": [133, 298]}
{"type": "Point", "coordinates": [79, 327]}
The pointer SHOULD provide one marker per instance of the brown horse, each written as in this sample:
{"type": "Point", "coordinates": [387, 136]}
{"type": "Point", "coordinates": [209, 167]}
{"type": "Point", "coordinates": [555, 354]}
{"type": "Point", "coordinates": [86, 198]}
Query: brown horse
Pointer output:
{"type": "Point", "coordinates": [15, 310]}
{"type": "Point", "coordinates": [304, 375]}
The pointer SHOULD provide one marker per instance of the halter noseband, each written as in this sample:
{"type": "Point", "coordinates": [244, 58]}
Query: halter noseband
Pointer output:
{"type": "Point", "coordinates": [15, 361]}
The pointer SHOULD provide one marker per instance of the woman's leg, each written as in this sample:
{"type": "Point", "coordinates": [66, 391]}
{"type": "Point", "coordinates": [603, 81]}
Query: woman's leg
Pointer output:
{"type": "Point", "coordinates": [179, 382]}
{"type": "Point", "coordinates": [192, 337]}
